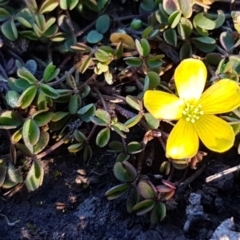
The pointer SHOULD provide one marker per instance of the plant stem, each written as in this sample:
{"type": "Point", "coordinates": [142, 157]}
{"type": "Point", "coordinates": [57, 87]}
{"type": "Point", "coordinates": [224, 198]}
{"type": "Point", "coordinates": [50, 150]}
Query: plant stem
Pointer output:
{"type": "Point", "coordinates": [59, 80]}
{"type": "Point", "coordinates": [92, 132]}
{"type": "Point", "coordinates": [52, 148]}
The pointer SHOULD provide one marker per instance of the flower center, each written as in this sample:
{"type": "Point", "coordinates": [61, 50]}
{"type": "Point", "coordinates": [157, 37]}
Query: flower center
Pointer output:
{"type": "Point", "coordinates": [192, 112]}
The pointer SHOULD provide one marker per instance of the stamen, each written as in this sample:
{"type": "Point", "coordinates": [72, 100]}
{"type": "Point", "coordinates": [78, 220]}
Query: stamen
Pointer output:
{"type": "Point", "coordinates": [192, 113]}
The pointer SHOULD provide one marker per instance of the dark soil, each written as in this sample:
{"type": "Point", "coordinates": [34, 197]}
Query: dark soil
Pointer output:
{"type": "Point", "coordinates": [71, 204]}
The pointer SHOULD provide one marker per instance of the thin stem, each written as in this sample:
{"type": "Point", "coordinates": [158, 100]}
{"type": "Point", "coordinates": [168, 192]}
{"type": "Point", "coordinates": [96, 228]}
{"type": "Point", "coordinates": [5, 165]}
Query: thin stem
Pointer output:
{"type": "Point", "coordinates": [59, 80]}
{"type": "Point", "coordinates": [222, 173]}
{"type": "Point", "coordinates": [101, 98]}
{"type": "Point", "coordinates": [92, 132]}
{"type": "Point", "coordinates": [52, 148]}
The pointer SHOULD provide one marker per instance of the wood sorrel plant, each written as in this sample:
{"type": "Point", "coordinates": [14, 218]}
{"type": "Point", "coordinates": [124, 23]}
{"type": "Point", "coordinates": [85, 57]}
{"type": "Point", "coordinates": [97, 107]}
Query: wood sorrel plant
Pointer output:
{"type": "Point", "coordinates": [174, 78]}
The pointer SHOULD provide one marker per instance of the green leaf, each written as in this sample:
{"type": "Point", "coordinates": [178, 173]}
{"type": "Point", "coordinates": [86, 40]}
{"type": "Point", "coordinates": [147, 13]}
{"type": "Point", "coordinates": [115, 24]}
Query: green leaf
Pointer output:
{"type": "Point", "coordinates": [103, 23]}
{"type": "Point", "coordinates": [27, 75]}
{"type": "Point", "coordinates": [133, 61]}
{"type": "Point", "coordinates": [145, 47]}
{"type": "Point", "coordinates": [122, 157]}
{"type": "Point", "coordinates": [103, 137]}
{"type": "Point", "coordinates": [9, 30]}
{"type": "Point", "coordinates": [117, 191]}
{"type": "Point", "coordinates": [124, 171]}
{"type": "Point", "coordinates": [133, 121]}
{"type": "Point", "coordinates": [32, 5]}
{"type": "Point", "coordinates": [186, 50]}
{"type": "Point", "coordinates": [4, 15]}
{"type": "Point", "coordinates": [102, 56]}
{"type": "Point", "coordinates": [27, 97]}
{"type": "Point", "coordinates": [49, 91]}
{"type": "Point", "coordinates": [146, 190]}
{"type": "Point", "coordinates": [87, 112]}
{"type": "Point", "coordinates": [147, 5]}
{"type": "Point", "coordinates": [227, 41]}
{"type": "Point", "coordinates": [144, 206]}
{"type": "Point", "coordinates": [186, 7]}
{"type": "Point", "coordinates": [204, 20]}
{"type": "Point", "coordinates": [116, 146]}
{"type": "Point", "coordinates": [136, 24]}
{"type": "Point", "coordinates": [10, 119]}
{"type": "Point", "coordinates": [74, 103]}
{"type": "Point", "coordinates": [170, 36]}
{"type": "Point", "coordinates": [98, 121]}
{"type": "Point", "coordinates": [3, 171]}
{"type": "Point", "coordinates": [35, 176]}
{"type": "Point", "coordinates": [94, 37]}
{"type": "Point", "coordinates": [154, 61]}
{"type": "Point", "coordinates": [50, 72]}
{"type": "Point", "coordinates": [87, 153]}
{"type": "Point", "coordinates": [59, 115]}
{"type": "Point", "coordinates": [185, 28]}
{"type": "Point", "coordinates": [174, 19]}
{"type": "Point", "coordinates": [152, 122]}
{"type": "Point", "coordinates": [14, 174]}
{"type": "Point", "coordinates": [79, 136]}
{"type": "Point", "coordinates": [134, 147]}
{"type": "Point", "coordinates": [42, 142]}
{"type": "Point", "coordinates": [134, 102]}
{"type": "Point", "coordinates": [158, 213]}
{"type": "Point", "coordinates": [68, 4]}
{"type": "Point", "coordinates": [103, 115]}
{"type": "Point", "coordinates": [139, 47]}
{"type": "Point", "coordinates": [12, 99]}
{"type": "Point", "coordinates": [76, 147]}
{"type": "Point", "coordinates": [133, 199]}
{"type": "Point", "coordinates": [48, 6]}
{"type": "Point", "coordinates": [30, 132]}
{"type": "Point", "coordinates": [42, 117]}
{"type": "Point", "coordinates": [204, 44]}
{"type": "Point", "coordinates": [25, 17]}
{"type": "Point", "coordinates": [154, 79]}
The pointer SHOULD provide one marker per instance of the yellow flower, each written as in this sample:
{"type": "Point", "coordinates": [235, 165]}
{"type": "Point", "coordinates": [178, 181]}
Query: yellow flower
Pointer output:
{"type": "Point", "coordinates": [195, 110]}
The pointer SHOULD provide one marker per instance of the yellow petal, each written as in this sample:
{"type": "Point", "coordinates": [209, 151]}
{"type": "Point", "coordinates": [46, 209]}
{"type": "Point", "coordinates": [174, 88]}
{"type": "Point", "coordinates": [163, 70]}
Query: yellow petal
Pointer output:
{"type": "Point", "coordinates": [221, 97]}
{"type": "Point", "coordinates": [163, 105]}
{"type": "Point", "coordinates": [183, 141]}
{"type": "Point", "coordinates": [190, 78]}
{"type": "Point", "coordinates": [215, 133]}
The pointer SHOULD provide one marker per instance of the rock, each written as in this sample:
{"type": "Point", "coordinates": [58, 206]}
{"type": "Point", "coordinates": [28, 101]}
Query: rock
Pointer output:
{"type": "Point", "coordinates": [225, 231]}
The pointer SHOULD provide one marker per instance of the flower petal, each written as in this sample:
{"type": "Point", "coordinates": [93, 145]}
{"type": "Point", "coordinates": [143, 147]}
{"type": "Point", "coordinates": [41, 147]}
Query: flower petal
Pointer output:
{"type": "Point", "coordinates": [215, 133]}
{"type": "Point", "coordinates": [183, 141]}
{"type": "Point", "coordinates": [221, 97]}
{"type": "Point", "coordinates": [163, 105]}
{"type": "Point", "coordinates": [190, 78]}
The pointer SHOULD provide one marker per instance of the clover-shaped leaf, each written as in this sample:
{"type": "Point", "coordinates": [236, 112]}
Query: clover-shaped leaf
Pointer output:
{"type": "Point", "coordinates": [10, 119]}
{"type": "Point", "coordinates": [35, 176]}
{"type": "Point", "coordinates": [30, 132]}
{"type": "Point", "coordinates": [124, 171]}
{"type": "Point", "coordinates": [144, 206]}
{"type": "Point", "coordinates": [158, 213]}
{"type": "Point", "coordinates": [203, 20]}
{"type": "Point", "coordinates": [103, 137]}
{"type": "Point", "coordinates": [9, 30]}
{"type": "Point", "coordinates": [146, 190]}
{"type": "Point", "coordinates": [117, 191]}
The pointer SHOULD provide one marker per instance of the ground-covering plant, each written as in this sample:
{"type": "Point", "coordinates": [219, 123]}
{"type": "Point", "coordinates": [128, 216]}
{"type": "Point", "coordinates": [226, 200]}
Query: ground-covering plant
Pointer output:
{"type": "Point", "coordinates": [171, 72]}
